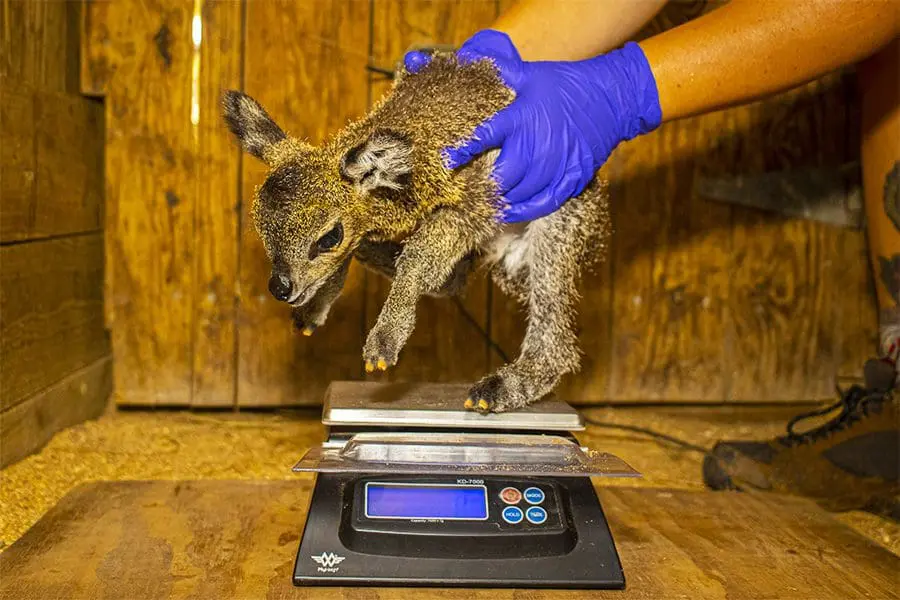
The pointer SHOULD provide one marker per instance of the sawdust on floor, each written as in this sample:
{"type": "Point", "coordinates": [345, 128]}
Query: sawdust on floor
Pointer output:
{"type": "Point", "coordinates": [131, 445]}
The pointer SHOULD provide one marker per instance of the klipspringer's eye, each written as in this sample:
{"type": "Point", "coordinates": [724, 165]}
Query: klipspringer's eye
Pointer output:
{"type": "Point", "coordinates": [331, 239]}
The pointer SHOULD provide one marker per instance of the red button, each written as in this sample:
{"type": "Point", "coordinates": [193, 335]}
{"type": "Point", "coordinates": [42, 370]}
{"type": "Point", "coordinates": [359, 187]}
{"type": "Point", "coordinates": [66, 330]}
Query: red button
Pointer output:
{"type": "Point", "coordinates": [510, 495]}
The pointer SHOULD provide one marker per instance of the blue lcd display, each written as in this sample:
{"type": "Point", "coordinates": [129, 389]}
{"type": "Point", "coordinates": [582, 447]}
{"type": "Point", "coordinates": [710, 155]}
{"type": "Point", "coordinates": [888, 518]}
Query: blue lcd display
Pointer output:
{"type": "Point", "coordinates": [421, 501]}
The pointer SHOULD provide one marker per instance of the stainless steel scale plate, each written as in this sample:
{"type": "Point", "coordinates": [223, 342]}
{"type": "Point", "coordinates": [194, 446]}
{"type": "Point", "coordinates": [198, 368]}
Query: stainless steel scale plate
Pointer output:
{"type": "Point", "coordinates": [436, 405]}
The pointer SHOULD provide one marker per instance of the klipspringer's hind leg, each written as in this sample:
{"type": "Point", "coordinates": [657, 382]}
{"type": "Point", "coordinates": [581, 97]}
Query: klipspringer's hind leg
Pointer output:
{"type": "Point", "coordinates": [558, 247]}
{"type": "Point", "coordinates": [549, 349]}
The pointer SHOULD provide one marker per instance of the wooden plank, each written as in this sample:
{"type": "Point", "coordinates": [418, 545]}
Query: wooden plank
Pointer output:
{"type": "Point", "coordinates": [83, 395]}
{"type": "Point", "coordinates": [176, 321]}
{"type": "Point", "coordinates": [448, 343]}
{"type": "Point", "coordinates": [216, 208]}
{"type": "Point", "coordinates": [752, 305]}
{"type": "Point", "coordinates": [101, 40]}
{"type": "Point", "coordinates": [791, 283]}
{"type": "Point", "coordinates": [53, 168]}
{"type": "Point", "coordinates": [316, 52]}
{"type": "Point", "coordinates": [670, 252]}
{"type": "Point", "coordinates": [18, 157]}
{"type": "Point", "coordinates": [170, 539]}
{"type": "Point", "coordinates": [150, 187]}
{"type": "Point", "coordinates": [39, 43]}
{"type": "Point", "coordinates": [51, 300]}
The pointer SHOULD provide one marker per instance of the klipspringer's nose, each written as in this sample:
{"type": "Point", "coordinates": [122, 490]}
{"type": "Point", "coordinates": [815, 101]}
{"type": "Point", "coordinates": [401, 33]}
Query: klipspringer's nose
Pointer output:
{"type": "Point", "coordinates": [280, 286]}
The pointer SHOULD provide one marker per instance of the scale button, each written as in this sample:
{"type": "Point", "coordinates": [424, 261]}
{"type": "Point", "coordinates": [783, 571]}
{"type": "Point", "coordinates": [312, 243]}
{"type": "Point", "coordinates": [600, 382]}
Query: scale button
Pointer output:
{"type": "Point", "coordinates": [510, 495]}
{"type": "Point", "coordinates": [536, 515]}
{"type": "Point", "coordinates": [512, 514]}
{"type": "Point", "coordinates": [534, 495]}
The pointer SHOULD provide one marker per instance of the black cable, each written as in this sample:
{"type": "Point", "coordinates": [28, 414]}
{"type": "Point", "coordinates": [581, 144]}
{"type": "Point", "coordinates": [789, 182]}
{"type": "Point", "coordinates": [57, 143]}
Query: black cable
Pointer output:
{"type": "Point", "coordinates": [389, 73]}
{"type": "Point", "coordinates": [651, 433]}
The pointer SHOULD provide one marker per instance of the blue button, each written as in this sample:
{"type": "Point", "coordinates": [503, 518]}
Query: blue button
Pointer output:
{"type": "Point", "coordinates": [512, 514]}
{"type": "Point", "coordinates": [534, 495]}
{"type": "Point", "coordinates": [536, 515]}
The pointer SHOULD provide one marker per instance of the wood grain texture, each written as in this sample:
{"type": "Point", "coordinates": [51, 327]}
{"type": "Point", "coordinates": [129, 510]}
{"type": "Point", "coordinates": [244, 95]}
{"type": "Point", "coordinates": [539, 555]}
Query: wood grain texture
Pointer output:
{"type": "Point", "coordinates": [216, 208]}
{"type": "Point", "coordinates": [305, 62]}
{"type": "Point", "coordinates": [150, 188]}
{"type": "Point", "coordinates": [18, 157]}
{"type": "Point", "coordinates": [102, 40]}
{"type": "Point", "coordinates": [52, 163]}
{"type": "Point", "coordinates": [83, 395]}
{"type": "Point", "coordinates": [51, 299]}
{"type": "Point", "coordinates": [448, 343]}
{"type": "Point", "coordinates": [172, 177]}
{"type": "Point", "coordinates": [715, 302]}
{"type": "Point", "coordinates": [670, 252]}
{"type": "Point", "coordinates": [39, 43]}
{"type": "Point", "coordinates": [792, 283]}
{"type": "Point", "coordinates": [228, 539]}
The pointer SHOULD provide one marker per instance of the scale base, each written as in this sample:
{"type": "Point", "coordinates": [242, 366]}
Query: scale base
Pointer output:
{"type": "Point", "coordinates": [332, 554]}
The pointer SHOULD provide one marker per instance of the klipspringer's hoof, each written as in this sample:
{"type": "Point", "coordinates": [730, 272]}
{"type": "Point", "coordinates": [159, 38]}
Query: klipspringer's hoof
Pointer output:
{"type": "Point", "coordinates": [481, 405]}
{"type": "Point", "coordinates": [381, 351]}
{"type": "Point", "coordinates": [303, 322]}
{"type": "Point", "coordinates": [379, 364]}
{"type": "Point", "coordinates": [493, 394]}
{"type": "Point", "coordinates": [486, 393]}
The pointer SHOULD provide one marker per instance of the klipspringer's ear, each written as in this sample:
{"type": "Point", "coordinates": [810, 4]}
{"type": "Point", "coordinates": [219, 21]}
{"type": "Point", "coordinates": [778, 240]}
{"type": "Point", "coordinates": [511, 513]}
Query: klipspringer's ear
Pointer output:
{"type": "Point", "coordinates": [384, 161]}
{"type": "Point", "coordinates": [250, 123]}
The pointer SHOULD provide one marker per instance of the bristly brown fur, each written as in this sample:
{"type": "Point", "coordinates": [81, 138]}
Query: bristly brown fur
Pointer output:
{"type": "Point", "coordinates": [409, 218]}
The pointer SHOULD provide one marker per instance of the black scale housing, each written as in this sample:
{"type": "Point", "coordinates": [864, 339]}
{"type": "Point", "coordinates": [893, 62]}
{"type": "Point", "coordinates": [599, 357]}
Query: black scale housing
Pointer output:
{"type": "Point", "coordinates": [572, 549]}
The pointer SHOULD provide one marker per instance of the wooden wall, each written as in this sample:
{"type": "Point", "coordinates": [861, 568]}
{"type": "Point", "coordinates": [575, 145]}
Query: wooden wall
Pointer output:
{"type": "Point", "coordinates": [699, 300]}
{"type": "Point", "coordinates": [55, 356]}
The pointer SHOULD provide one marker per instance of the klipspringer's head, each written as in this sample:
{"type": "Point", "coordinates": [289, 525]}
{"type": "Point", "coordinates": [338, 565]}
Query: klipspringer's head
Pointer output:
{"type": "Point", "coordinates": [311, 210]}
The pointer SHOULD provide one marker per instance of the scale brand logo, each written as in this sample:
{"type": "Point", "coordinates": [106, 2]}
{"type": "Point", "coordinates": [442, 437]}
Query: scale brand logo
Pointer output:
{"type": "Point", "coordinates": [328, 562]}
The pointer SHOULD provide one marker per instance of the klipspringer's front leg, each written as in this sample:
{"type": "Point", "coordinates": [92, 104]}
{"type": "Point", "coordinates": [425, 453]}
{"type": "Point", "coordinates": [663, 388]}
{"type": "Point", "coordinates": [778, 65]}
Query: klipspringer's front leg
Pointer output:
{"type": "Point", "coordinates": [312, 315]}
{"type": "Point", "coordinates": [381, 258]}
{"type": "Point", "coordinates": [426, 263]}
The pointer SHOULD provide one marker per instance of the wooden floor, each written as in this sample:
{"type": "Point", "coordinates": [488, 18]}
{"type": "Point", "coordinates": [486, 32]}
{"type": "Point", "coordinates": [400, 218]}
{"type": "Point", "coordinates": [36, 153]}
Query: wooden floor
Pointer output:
{"type": "Point", "coordinates": [238, 539]}
{"type": "Point", "coordinates": [658, 518]}
{"type": "Point", "coordinates": [179, 445]}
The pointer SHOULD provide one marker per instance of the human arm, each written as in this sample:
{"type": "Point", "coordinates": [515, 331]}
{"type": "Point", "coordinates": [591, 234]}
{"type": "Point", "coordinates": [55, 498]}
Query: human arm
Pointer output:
{"type": "Point", "coordinates": [569, 116]}
{"type": "Point", "coordinates": [749, 49]}
{"type": "Point", "coordinates": [573, 29]}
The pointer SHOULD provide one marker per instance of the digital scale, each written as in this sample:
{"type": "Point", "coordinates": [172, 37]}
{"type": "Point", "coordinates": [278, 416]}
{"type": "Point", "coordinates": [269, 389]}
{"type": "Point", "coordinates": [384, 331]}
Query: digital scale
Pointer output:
{"type": "Point", "coordinates": [414, 490]}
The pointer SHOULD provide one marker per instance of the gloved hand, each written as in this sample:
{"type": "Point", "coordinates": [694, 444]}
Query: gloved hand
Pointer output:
{"type": "Point", "coordinates": [565, 121]}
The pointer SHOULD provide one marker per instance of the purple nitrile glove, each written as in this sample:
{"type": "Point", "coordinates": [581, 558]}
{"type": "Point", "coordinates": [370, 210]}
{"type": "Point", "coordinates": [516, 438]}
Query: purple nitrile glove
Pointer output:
{"type": "Point", "coordinates": [565, 121]}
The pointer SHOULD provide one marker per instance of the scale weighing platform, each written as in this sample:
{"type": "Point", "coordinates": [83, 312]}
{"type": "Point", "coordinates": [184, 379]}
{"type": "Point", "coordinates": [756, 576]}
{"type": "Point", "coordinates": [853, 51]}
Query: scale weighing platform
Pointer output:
{"type": "Point", "coordinates": [414, 490]}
